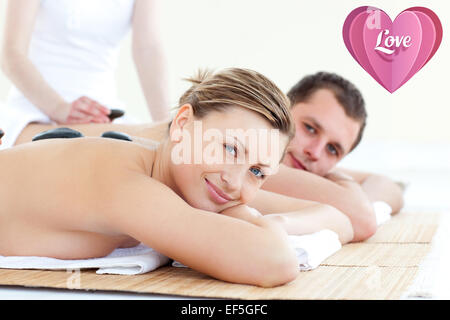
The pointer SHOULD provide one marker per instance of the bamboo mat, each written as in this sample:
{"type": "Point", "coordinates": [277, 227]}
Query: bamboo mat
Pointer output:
{"type": "Point", "coordinates": [407, 228]}
{"type": "Point", "coordinates": [380, 268]}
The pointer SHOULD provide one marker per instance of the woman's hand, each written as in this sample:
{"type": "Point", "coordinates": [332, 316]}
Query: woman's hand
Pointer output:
{"type": "Point", "coordinates": [19, 25]}
{"type": "Point", "coordinates": [338, 176]}
{"type": "Point", "coordinates": [82, 110]}
{"type": "Point", "coordinates": [242, 212]}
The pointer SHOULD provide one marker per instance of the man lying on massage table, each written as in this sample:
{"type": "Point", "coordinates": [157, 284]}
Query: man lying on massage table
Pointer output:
{"type": "Point", "coordinates": [330, 117]}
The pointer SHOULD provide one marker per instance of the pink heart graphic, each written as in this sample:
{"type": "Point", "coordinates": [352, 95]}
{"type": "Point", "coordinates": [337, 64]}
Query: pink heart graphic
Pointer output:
{"type": "Point", "coordinates": [392, 52]}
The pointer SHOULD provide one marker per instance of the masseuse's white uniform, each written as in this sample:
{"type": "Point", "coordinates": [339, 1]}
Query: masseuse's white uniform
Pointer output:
{"type": "Point", "coordinates": [75, 45]}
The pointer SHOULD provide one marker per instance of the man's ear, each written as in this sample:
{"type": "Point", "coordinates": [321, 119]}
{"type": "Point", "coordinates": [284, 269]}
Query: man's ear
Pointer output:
{"type": "Point", "coordinates": [184, 116]}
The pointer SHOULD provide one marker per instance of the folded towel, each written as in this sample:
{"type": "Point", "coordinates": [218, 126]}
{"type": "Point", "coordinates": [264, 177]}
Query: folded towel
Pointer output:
{"type": "Point", "coordinates": [312, 249]}
{"type": "Point", "coordinates": [126, 261]}
{"type": "Point", "coordinates": [382, 211]}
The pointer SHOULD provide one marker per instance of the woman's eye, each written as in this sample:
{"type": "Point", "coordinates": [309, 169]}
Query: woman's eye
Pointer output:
{"type": "Point", "coordinates": [332, 149]}
{"type": "Point", "coordinates": [309, 128]}
{"type": "Point", "coordinates": [231, 149]}
{"type": "Point", "coordinates": [257, 172]}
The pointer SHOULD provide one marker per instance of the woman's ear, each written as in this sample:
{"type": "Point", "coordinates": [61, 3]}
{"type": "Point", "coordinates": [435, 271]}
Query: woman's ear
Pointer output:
{"type": "Point", "coordinates": [184, 116]}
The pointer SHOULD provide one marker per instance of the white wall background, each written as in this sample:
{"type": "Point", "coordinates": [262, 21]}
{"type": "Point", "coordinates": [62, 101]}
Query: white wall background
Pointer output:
{"type": "Point", "coordinates": [285, 40]}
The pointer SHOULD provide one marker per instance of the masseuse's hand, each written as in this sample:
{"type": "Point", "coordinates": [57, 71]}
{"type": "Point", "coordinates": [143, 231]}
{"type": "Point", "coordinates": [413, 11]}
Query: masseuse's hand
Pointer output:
{"type": "Point", "coordinates": [82, 110]}
{"type": "Point", "coordinates": [86, 110]}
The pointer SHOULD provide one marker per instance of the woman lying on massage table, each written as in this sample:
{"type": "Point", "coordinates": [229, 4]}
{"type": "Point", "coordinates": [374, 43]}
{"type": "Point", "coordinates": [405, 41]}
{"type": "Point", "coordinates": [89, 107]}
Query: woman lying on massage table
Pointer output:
{"type": "Point", "coordinates": [82, 198]}
{"type": "Point", "coordinates": [330, 116]}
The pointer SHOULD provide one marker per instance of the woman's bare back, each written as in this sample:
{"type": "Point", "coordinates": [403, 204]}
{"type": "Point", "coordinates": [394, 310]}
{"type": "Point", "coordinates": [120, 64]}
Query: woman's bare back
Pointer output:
{"type": "Point", "coordinates": [54, 193]}
{"type": "Point", "coordinates": [152, 131]}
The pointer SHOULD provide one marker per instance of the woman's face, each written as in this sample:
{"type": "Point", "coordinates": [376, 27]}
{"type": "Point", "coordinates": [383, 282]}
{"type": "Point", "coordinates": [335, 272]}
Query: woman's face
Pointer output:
{"type": "Point", "coordinates": [222, 160]}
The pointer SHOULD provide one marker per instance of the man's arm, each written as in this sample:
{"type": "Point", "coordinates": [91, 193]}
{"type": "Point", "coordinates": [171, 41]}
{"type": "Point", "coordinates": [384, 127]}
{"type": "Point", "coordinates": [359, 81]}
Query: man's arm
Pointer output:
{"type": "Point", "coordinates": [345, 195]}
{"type": "Point", "coordinates": [378, 188]}
{"type": "Point", "coordinates": [223, 247]}
{"type": "Point", "coordinates": [298, 217]}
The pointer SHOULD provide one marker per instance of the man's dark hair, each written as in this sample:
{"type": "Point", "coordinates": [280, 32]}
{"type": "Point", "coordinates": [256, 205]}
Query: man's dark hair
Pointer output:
{"type": "Point", "coordinates": [348, 96]}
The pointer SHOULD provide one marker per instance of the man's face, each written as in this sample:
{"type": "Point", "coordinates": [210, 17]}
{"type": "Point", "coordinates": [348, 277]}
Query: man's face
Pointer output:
{"type": "Point", "coordinates": [324, 134]}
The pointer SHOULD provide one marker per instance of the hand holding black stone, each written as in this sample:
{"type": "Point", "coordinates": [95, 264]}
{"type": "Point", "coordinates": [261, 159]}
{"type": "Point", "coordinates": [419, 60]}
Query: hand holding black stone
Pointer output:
{"type": "Point", "coordinates": [115, 113]}
{"type": "Point", "coordinates": [58, 133]}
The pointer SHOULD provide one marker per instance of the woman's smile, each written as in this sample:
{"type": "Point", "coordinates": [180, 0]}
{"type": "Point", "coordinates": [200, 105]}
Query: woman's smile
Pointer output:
{"type": "Point", "coordinates": [217, 195]}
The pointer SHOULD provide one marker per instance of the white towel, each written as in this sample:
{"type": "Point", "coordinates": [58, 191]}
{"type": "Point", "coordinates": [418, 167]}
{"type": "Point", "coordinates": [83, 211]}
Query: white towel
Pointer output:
{"type": "Point", "coordinates": [125, 261]}
{"type": "Point", "coordinates": [382, 211]}
{"type": "Point", "coordinates": [312, 249]}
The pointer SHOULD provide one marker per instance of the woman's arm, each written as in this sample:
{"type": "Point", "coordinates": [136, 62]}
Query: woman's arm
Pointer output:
{"type": "Point", "coordinates": [19, 25]}
{"type": "Point", "coordinates": [346, 196]}
{"type": "Point", "coordinates": [149, 59]}
{"type": "Point", "coordinates": [223, 247]}
{"type": "Point", "coordinates": [298, 217]}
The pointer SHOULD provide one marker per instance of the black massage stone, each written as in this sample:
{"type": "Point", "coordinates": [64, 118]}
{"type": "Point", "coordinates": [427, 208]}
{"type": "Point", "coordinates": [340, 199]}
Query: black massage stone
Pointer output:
{"type": "Point", "coordinates": [116, 135]}
{"type": "Point", "coordinates": [2, 133]}
{"type": "Point", "coordinates": [115, 113]}
{"type": "Point", "coordinates": [58, 133]}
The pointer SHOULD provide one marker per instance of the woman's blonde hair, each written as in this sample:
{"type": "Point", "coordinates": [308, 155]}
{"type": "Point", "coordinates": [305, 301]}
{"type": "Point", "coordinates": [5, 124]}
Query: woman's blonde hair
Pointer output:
{"type": "Point", "coordinates": [242, 88]}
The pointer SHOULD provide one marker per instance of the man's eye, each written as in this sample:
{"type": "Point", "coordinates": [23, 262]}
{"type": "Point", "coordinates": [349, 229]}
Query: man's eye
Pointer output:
{"type": "Point", "coordinates": [309, 128]}
{"type": "Point", "coordinates": [231, 149]}
{"type": "Point", "coordinates": [257, 172]}
{"type": "Point", "coordinates": [332, 150]}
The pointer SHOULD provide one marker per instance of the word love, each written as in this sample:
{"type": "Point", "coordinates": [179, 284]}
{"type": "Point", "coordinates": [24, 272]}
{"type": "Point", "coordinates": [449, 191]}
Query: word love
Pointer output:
{"type": "Point", "coordinates": [410, 41]}
{"type": "Point", "coordinates": [391, 41]}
